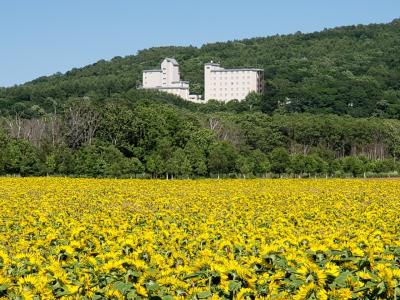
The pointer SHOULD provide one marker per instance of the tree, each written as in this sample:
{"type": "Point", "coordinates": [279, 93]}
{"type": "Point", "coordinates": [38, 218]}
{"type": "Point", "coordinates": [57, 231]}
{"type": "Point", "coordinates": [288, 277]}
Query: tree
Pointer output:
{"type": "Point", "coordinates": [132, 166]}
{"type": "Point", "coordinates": [245, 165]}
{"type": "Point", "coordinates": [3, 146]}
{"type": "Point", "coordinates": [222, 158]}
{"type": "Point", "coordinates": [82, 122]}
{"type": "Point", "coordinates": [51, 164]}
{"type": "Point", "coordinates": [64, 160]}
{"type": "Point", "coordinates": [297, 164]}
{"type": "Point", "coordinates": [22, 158]}
{"type": "Point", "coordinates": [311, 165]}
{"type": "Point", "coordinates": [179, 164]}
{"type": "Point", "coordinates": [99, 160]}
{"type": "Point", "coordinates": [155, 165]}
{"type": "Point", "coordinates": [280, 160]}
{"type": "Point", "coordinates": [197, 158]}
{"type": "Point", "coordinates": [321, 166]}
{"type": "Point", "coordinates": [261, 164]}
{"type": "Point", "coordinates": [89, 161]}
{"type": "Point", "coordinates": [353, 165]}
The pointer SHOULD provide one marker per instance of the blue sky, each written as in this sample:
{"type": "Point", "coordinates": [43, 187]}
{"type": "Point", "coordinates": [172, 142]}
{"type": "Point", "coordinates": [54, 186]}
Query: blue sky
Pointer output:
{"type": "Point", "coordinates": [42, 37]}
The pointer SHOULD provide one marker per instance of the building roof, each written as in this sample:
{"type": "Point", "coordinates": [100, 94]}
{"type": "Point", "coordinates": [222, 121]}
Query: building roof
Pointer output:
{"type": "Point", "coordinates": [171, 60]}
{"type": "Point", "coordinates": [235, 70]}
{"type": "Point", "coordinates": [212, 64]}
{"type": "Point", "coordinates": [182, 81]}
{"type": "Point", "coordinates": [168, 88]}
{"type": "Point", "coordinates": [154, 70]}
{"type": "Point", "coordinates": [229, 70]}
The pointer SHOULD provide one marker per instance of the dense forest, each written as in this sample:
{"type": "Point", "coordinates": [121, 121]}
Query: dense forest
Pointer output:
{"type": "Point", "coordinates": [331, 108]}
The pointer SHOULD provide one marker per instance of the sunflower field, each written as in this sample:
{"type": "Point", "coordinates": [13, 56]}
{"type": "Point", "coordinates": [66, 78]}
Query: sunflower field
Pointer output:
{"type": "Point", "coordinates": [205, 239]}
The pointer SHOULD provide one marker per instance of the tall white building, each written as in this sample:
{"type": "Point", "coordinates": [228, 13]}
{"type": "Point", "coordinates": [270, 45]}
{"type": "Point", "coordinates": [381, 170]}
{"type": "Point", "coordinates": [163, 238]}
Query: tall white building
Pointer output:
{"type": "Point", "coordinates": [229, 84]}
{"type": "Point", "coordinates": [219, 84]}
{"type": "Point", "coordinates": [167, 79]}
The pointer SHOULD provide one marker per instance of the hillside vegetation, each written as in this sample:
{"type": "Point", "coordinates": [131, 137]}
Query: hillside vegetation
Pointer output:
{"type": "Point", "coordinates": [331, 107]}
{"type": "Point", "coordinates": [348, 70]}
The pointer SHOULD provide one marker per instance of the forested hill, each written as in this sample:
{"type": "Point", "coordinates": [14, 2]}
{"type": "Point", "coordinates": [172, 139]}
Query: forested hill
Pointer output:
{"type": "Point", "coordinates": [330, 97]}
{"type": "Point", "coordinates": [351, 70]}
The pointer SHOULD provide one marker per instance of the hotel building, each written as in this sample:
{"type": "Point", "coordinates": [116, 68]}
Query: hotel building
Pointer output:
{"type": "Point", "coordinates": [167, 79]}
{"type": "Point", "coordinates": [219, 84]}
{"type": "Point", "coordinates": [229, 84]}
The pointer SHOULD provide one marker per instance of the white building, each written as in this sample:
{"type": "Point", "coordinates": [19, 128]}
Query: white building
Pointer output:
{"type": "Point", "coordinates": [219, 84]}
{"type": "Point", "coordinates": [229, 84]}
{"type": "Point", "coordinates": [167, 79]}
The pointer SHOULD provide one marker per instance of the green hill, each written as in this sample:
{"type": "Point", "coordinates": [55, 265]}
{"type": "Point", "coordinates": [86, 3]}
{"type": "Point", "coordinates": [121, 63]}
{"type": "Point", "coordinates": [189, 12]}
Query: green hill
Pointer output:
{"type": "Point", "coordinates": [347, 70]}
{"type": "Point", "coordinates": [331, 108]}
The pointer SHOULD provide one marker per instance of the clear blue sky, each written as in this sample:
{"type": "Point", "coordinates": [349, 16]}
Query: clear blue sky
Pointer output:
{"type": "Point", "coordinates": [41, 37]}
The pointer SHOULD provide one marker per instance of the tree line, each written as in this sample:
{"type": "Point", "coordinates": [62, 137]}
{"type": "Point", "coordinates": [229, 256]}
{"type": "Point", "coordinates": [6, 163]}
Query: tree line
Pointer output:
{"type": "Point", "coordinates": [144, 138]}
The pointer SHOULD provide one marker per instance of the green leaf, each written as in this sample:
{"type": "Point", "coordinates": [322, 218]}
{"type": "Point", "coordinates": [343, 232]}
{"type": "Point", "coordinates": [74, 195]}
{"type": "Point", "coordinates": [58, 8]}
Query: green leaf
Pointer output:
{"type": "Point", "coordinates": [341, 280]}
{"type": "Point", "coordinates": [97, 297]}
{"type": "Point", "coordinates": [382, 288]}
{"type": "Point", "coordinates": [133, 273]}
{"type": "Point", "coordinates": [63, 293]}
{"type": "Point", "coordinates": [122, 286]}
{"type": "Point", "coordinates": [234, 285]}
{"type": "Point", "coordinates": [295, 282]}
{"type": "Point", "coordinates": [131, 295]}
{"type": "Point", "coordinates": [193, 275]}
{"type": "Point", "coordinates": [152, 286]}
{"type": "Point", "coordinates": [203, 295]}
{"type": "Point", "coordinates": [4, 287]}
